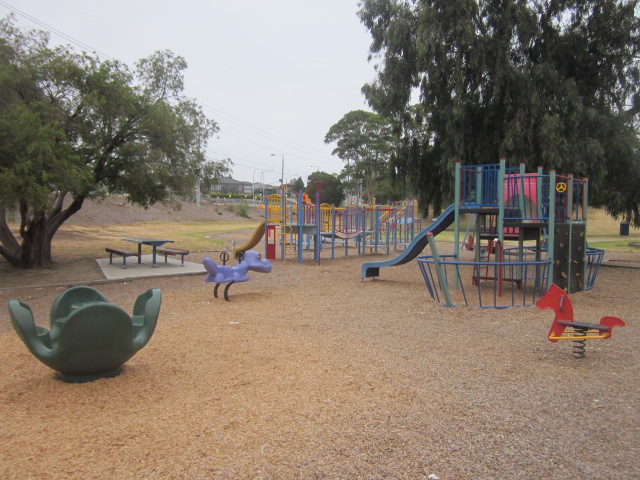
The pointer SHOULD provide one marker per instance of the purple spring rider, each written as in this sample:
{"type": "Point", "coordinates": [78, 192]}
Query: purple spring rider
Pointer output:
{"type": "Point", "coordinates": [220, 274]}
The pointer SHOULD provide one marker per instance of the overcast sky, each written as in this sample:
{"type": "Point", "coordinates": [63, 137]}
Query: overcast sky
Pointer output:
{"type": "Point", "coordinates": [274, 74]}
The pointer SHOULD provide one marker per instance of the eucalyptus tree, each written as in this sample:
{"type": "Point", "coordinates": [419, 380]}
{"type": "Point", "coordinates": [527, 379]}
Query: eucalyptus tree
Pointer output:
{"type": "Point", "coordinates": [365, 141]}
{"type": "Point", "coordinates": [74, 127]}
{"type": "Point", "coordinates": [544, 82]}
{"type": "Point", "coordinates": [331, 189]}
{"type": "Point", "coordinates": [297, 184]}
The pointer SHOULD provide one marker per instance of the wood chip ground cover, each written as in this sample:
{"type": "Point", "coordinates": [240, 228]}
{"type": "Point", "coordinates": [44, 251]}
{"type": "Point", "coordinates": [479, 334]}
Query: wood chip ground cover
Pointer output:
{"type": "Point", "coordinates": [310, 373]}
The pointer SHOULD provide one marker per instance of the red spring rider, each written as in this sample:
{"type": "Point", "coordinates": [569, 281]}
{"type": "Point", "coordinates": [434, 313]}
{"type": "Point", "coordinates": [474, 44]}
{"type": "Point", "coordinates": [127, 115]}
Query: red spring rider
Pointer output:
{"type": "Point", "coordinates": [563, 326]}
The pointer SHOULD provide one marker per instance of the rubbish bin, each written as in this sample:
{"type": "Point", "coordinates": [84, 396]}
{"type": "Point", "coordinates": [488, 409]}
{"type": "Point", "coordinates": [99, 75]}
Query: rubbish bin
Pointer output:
{"type": "Point", "coordinates": [624, 229]}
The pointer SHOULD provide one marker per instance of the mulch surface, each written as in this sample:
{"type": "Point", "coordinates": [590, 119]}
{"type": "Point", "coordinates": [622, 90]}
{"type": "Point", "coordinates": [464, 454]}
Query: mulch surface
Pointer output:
{"type": "Point", "coordinates": [311, 373]}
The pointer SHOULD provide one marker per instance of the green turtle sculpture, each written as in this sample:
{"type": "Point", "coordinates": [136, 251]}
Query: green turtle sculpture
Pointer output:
{"type": "Point", "coordinates": [89, 338]}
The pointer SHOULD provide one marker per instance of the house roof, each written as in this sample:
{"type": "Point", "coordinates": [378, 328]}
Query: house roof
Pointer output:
{"type": "Point", "coordinates": [227, 180]}
{"type": "Point", "coordinates": [231, 181]}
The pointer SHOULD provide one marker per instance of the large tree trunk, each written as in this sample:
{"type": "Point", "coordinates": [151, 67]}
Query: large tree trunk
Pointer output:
{"type": "Point", "coordinates": [36, 232]}
{"type": "Point", "coordinates": [9, 246]}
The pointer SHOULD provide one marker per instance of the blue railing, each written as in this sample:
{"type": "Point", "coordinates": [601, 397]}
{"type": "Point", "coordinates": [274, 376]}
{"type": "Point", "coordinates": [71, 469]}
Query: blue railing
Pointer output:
{"type": "Point", "coordinates": [526, 197]}
{"type": "Point", "coordinates": [576, 212]}
{"type": "Point", "coordinates": [488, 194]}
{"type": "Point", "coordinates": [493, 284]}
{"type": "Point", "coordinates": [594, 262]}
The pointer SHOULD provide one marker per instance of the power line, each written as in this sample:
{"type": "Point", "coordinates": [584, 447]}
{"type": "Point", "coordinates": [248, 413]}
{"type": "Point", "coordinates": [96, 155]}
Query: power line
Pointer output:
{"type": "Point", "coordinates": [53, 30]}
{"type": "Point", "coordinates": [318, 156]}
{"type": "Point", "coordinates": [256, 167]}
{"type": "Point", "coordinates": [268, 135]}
{"type": "Point", "coordinates": [289, 154]}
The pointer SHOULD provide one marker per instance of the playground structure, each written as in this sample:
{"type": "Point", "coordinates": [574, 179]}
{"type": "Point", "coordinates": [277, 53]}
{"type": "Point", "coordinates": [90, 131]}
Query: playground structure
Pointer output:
{"type": "Point", "coordinates": [507, 204]}
{"type": "Point", "coordinates": [220, 274]}
{"type": "Point", "coordinates": [565, 328]}
{"type": "Point", "coordinates": [295, 225]}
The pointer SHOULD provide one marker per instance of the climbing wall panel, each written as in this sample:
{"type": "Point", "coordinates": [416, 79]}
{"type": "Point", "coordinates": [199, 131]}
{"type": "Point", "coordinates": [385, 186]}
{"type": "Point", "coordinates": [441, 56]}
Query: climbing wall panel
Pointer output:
{"type": "Point", "coordinates": [569, 257]}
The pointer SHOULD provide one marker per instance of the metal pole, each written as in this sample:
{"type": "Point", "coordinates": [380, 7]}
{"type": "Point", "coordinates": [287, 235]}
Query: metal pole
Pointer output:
{"type": "Point", "coordinates": [500, 219]}
{"type": "Point", "coordinates": [552, 226]}
{"type": "Point", "coordinates": [585, 205]}
{"type": "Point", "coordinates": [456, 239]}
{"type": "Point", "coordinates": [442, 278]}
{"type": "Point", "coordinates": [300, 216]}
{"type": "Point", "coordinates": [523, 215]}
{"type": "Point", "coordinates": [569, 203]}
{"type": "Point", "coordinates": [281, 178]}
{"type": "Point", "coordinates": [539, 199]}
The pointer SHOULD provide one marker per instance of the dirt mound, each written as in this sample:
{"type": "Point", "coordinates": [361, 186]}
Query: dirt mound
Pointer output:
{"type": "Point", "coordinates": [117, 210]}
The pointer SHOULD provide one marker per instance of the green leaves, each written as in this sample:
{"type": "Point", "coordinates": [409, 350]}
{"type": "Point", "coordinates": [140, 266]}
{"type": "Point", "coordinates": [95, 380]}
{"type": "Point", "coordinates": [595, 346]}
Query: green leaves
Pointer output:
{"type": "Point", "coordinates": [365, 141]}
{"type": "Point", "coordinates": [161, 75]}
{"type": "Point", "coordinates": [331, 189]}
{"type": "Point", "coordinates": [72, 125]}
{"type": "Point", "coordinates": [545, 83]}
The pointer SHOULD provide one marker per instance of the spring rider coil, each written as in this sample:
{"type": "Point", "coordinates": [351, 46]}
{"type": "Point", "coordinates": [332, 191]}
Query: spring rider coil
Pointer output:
{"type": "Point", "coordinates": [579, 342]}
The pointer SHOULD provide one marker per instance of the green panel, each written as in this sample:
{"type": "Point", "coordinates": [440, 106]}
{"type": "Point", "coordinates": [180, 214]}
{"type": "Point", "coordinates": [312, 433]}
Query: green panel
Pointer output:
{"type": "Point", "coordinates": [569, 256]}
{"type": "Point", "coordinates": [561, 256]}
{"type": "Point", "coordinates": [576, 283]}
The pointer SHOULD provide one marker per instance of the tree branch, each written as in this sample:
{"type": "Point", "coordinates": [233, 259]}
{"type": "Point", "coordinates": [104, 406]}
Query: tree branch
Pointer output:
{"type": "Point", "coordinates": [61, 216]}
{"type": "Point", "coordinates": [7, 238]}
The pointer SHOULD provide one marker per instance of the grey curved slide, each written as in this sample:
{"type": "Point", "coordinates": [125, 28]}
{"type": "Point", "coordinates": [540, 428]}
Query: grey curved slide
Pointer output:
{"type": "Point", "coordinates": [372, 269]}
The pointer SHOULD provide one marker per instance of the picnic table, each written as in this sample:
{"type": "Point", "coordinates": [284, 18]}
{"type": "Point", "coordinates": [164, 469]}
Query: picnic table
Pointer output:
{"type": "Point", "coordinates": [153, 242]}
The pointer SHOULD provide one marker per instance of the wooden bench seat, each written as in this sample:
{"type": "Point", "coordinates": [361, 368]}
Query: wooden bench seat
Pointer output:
{"type": "Point", "coordinates": [173, 251]}
{"type": "Point", "coordinates": [124, 254]}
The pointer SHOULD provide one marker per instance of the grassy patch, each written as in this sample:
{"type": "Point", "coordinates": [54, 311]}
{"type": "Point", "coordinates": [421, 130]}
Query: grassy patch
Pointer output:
{"type": "Point", "coordinates": [76, 241]}
{"type": "Point", "coordinates": [602, 232]}
{"type": "Point", "coordinates": [618, 246]}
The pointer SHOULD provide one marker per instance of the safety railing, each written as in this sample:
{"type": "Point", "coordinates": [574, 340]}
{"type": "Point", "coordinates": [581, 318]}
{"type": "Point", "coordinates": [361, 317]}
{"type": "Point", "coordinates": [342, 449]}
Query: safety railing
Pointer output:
{"type": "Point", "coordinates": [594, 262]}
{"type": "Point", "coordinates": [485, 284]}
{"type": "Point", "coordinates": [570, 198]}
{"type": "Point", "coordinates": [526, 197]}
{"type": "Point", "coordinates": [479, 185]}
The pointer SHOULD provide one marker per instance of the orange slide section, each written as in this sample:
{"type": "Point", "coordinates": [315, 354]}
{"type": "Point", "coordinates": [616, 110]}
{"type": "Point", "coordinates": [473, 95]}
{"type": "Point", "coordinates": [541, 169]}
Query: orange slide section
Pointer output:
{"type": "Point", "coordinates": [253, 241]}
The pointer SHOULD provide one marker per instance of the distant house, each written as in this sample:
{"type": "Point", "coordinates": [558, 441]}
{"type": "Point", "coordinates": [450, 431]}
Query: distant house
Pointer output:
{"type": "Point", "coordinates": [246, 187]}
{"type": "Point", "coordinates": [229, 185]}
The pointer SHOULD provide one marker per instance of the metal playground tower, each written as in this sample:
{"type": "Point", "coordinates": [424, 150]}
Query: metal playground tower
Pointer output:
{"type": "Point", "coordinates": [507, 204]}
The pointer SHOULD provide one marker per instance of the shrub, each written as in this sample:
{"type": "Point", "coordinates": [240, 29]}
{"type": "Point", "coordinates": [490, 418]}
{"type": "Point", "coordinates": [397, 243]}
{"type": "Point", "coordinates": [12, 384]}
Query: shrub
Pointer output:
{"type": "Point", "coordinates": [242, 210]}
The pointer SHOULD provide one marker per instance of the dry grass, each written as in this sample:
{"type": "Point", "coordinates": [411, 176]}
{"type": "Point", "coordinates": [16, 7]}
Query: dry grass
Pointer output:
{"type": "Point", "coordinates": [90, 241]}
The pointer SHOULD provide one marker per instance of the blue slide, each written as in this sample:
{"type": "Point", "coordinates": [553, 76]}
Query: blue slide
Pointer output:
{"type": "Point", "coordinates": [372, 269]}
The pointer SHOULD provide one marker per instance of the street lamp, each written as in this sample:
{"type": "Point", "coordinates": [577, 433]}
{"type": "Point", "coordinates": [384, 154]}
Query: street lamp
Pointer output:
{"type": "Point", "coordinates": [262, 179]}
{"type": "Point", "coordinates": [315, 166]}
{"type": "Point", "coordinates": [281, 179]}
{"type": "Point", "coordinates": [253, 182]}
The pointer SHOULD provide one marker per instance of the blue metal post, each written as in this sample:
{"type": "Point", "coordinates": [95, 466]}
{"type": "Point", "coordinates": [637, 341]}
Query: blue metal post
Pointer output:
{"type": "Point", "coordinates": [456, 221]}
{"type": "Point", "coordinates": [552, 226]}
{"type": "Point", "coordinates": [265, 200]}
